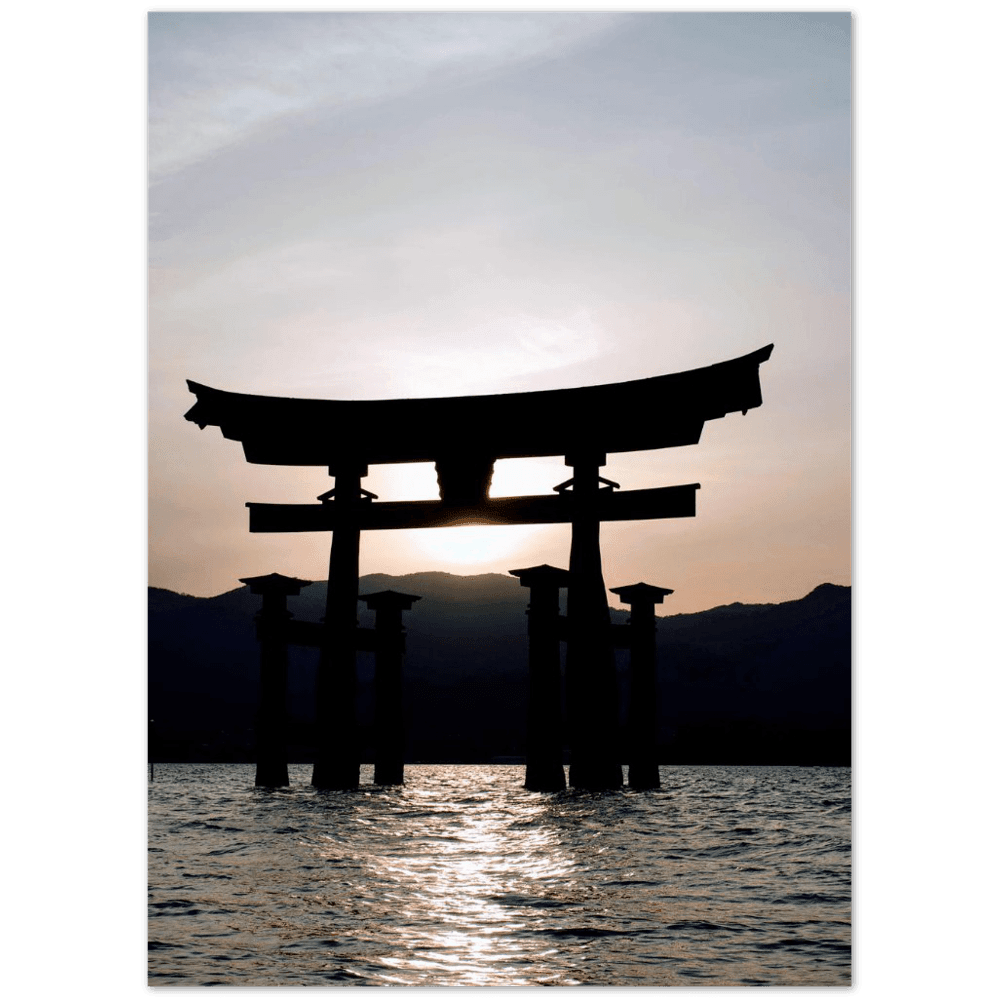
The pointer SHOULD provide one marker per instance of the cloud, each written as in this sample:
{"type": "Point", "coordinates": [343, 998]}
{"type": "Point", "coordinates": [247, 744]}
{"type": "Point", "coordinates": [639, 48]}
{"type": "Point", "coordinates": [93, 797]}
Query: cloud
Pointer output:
{"type": "Point", "coordinates": [216, 77]}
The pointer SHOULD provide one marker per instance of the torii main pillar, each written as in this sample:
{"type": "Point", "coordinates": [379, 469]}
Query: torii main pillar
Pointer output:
{"type": "Point", "coordinates": [591, 682]}
{"type": "Point", "coordinates": [338, 756]}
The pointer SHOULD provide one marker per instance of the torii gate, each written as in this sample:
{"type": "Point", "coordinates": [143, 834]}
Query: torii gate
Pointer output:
{"type": "Point", "coordinates": [464, 436]}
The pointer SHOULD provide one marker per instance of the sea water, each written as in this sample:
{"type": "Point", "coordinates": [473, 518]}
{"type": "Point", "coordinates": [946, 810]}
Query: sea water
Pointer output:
{"type": "Point", "coordinates": [725, 876]}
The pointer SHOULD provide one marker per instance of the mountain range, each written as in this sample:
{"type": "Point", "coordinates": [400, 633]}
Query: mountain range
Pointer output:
{"type": "Point", "coordinates": [737, 684]}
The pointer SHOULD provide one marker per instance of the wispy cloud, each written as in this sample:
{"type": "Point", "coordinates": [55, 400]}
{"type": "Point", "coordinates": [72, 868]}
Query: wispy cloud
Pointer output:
{"type": "Point", "coordinates": [216, 77]}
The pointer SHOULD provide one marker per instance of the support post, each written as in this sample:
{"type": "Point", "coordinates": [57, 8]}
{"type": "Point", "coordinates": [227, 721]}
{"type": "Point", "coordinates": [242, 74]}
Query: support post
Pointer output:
{"type": "Point", "coordinates": [390, 644]}
{"type": "Point", "coordinates": [543, 770]}
{"type": "Point", "coordinates": [338, 763]}
{"type": "Point", "coordinates": [270, 731]}
{"type": "Point", "coordinates": [643, 767]}
{"type": "Point", "coordinates": [592, 687]}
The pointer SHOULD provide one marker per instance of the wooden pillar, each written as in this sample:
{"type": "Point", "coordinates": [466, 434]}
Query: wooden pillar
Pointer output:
{"type": "Point", "coordinates": [592, 688]}
{"type": "Point", "coordinates": [390, 644]}
{"type": "Point", "coordinates": [543, 770]}
{"type": "Point", "coordinates": [270, 731]}
{"type": "Point", "coordinates": [643, 767]}
{"type": "Point", "coordinates": [338, 762]}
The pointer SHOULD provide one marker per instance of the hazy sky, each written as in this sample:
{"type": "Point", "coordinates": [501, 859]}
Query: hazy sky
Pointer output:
{"type": "Point", "coordinates": [385, 205]}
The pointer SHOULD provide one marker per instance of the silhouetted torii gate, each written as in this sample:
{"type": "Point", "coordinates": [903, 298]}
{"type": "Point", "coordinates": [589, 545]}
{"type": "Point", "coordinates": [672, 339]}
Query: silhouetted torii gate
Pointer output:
{"type": "Point", "coordinates": [464, 436]}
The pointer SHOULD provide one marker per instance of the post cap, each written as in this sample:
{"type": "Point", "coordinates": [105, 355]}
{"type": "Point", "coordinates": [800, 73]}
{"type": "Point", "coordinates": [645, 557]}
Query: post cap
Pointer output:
{"type": "Point", "coordinates": [544, 574]}
{"type": "Point", "coordinates": [388, 599]}
{"type": "Point", "coordinates": [274, 583]}
{"type": "Point", "coordinates": [641, 593]}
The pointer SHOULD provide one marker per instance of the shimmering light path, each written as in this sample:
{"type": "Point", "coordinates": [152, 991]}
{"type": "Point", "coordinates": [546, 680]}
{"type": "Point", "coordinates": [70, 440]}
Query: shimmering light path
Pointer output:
{"type": "Point", "coordinates": [725, 876]}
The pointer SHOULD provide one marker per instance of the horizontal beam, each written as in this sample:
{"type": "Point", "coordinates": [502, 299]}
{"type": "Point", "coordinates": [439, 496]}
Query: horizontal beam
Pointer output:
{"type": "Point", "coordinates": [632, 505]}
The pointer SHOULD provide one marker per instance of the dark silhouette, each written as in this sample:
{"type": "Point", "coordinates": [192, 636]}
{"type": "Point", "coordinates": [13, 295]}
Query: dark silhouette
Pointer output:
{"type": "Point", "coordinates": [337, 759]}
{"type": "Point", "coordinates": [271, 621]}
{"type": "Point", "coordinates": [464, 436]}
{"type": "Point", "coordinates": [643, 767]}
{"type": "Point", "coordinates": [591, 692]}
{"type": "Point", "coordinates": [543, 770]}
{"type": "Point", "coordinates": [464, 433]}
{"type": "Point", "coordinates": [390, 644]}
{"type": "Point", "coordinates": [276, 630]}
{"type": "Point", "coordinates": [543, 767]}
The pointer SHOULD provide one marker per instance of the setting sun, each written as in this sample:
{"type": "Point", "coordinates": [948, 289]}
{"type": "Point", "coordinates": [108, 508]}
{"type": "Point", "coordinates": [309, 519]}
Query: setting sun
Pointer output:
{"type": "Point", "coordinates": [474, 544]}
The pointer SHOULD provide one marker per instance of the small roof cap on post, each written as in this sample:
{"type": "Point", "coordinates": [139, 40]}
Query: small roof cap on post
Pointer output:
{"type": "Point", "coordinates": [388, 599]}
{"type": "Point", "coordinates": [275, 583]}
{"type": "Point", "coordinates": [544, 574]}
{"type": "Point", "coordinates": [641, 593]}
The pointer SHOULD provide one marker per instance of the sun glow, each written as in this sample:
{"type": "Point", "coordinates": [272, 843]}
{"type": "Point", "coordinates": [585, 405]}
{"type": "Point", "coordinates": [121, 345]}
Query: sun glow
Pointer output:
{"type": "Point", "coordinates": [474, 544]}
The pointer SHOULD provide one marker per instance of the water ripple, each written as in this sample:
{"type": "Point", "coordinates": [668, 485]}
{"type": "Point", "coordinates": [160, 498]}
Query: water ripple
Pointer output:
{"type": "Point", "coordinates": [725, 876]}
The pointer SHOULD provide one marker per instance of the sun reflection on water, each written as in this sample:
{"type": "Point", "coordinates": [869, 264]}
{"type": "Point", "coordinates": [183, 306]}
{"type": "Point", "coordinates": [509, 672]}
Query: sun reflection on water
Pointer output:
{"type": "Point", "coordinates": [477, 868]}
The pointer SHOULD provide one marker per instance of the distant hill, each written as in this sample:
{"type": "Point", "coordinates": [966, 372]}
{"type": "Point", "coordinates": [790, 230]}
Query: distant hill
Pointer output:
{"type": "Point", "coordinates": [766, 683]}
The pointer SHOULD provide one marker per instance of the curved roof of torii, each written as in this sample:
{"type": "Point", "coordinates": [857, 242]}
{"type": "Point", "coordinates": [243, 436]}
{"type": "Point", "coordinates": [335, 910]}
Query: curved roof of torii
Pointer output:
{"type": "Point", "coordinates": [660, 412]}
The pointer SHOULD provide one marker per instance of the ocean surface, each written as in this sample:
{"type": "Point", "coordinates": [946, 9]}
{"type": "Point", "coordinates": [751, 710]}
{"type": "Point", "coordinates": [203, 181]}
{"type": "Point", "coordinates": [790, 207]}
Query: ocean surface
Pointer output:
{"type": "Point", "coordinates": [726, 876]}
